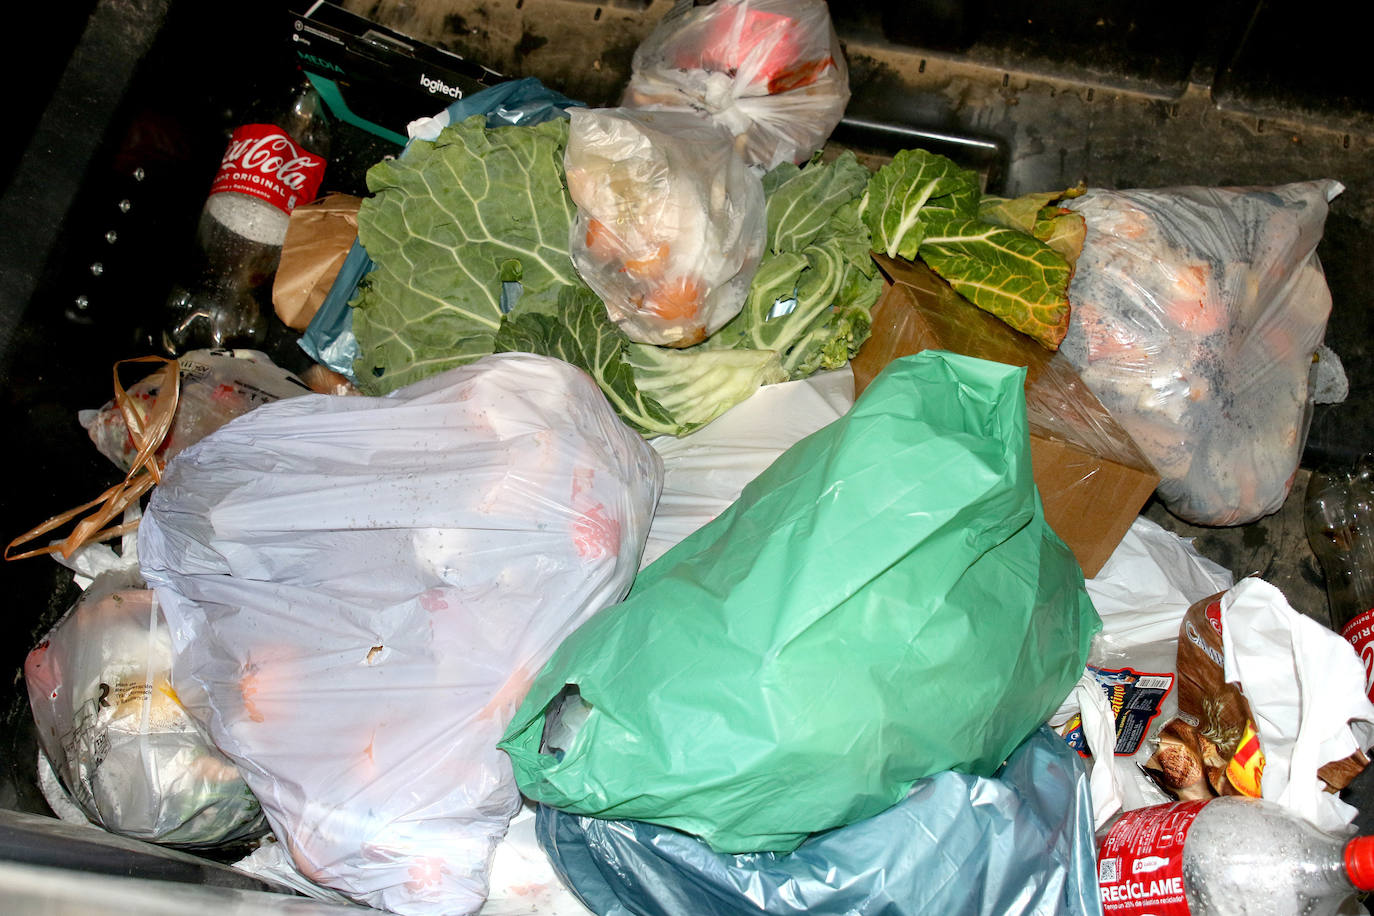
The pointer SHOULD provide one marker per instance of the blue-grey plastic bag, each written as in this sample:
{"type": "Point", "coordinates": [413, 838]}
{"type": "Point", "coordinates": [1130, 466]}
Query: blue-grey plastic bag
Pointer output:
{"type": "Point", "coordinates": [329, 337]}
{"type": "Point", "coordinates": [1014, 844]}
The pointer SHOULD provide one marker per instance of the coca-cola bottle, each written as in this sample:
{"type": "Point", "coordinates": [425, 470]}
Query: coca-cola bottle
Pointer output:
{"type": "Point", "coordinates": [1227, 856]}
{"type": "Point", "coordinates": [273, 163]}
{"type": "Point", "coordinates": [1339, 516]}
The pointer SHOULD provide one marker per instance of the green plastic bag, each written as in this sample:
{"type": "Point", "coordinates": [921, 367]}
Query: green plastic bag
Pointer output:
{"type": "Point", "coordinates": [883, 603]}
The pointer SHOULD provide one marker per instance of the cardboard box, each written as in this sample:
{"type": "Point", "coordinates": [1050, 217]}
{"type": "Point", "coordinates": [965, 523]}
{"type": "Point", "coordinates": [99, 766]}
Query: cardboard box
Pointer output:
{"type": "Point", "coordinates": [1093, 478]}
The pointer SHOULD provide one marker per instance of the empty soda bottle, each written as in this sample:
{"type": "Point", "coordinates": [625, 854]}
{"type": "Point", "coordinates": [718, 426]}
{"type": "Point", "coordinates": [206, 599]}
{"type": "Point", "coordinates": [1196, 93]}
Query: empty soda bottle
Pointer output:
{"type": "Point", "coordinates": [1339, 518]}
{"type": "Point", "coordinates": [273, 163]}
{"type": "Point", "coordinates": [1228, 856]}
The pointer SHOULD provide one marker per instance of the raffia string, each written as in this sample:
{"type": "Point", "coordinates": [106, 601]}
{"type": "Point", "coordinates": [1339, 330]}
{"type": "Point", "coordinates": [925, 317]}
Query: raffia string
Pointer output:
{"type": "Point", "coordinates": [148, 431]}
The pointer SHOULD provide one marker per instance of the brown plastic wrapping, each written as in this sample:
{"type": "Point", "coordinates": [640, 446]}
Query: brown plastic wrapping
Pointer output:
{"type": "Point", "coordinates": [1092, 477]}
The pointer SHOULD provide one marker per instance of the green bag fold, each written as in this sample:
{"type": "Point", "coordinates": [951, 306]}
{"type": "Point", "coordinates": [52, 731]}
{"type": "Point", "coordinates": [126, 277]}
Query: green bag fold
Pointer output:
{"type": "Point", "coordinates": [884, 602]}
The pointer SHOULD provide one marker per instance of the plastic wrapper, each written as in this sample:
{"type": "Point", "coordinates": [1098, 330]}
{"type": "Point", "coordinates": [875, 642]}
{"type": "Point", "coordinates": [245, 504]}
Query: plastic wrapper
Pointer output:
{"type": "Point", "coordinates": [771, 71]}
{"type": "Point", "coordinates": [1195, 316]}
{"type": "Point", "coordinates": [216, 387]}
{"type": "Point", "coordinates": [1013, 844]}
{"type": "Point", "coordinates": [116, 732]}
{"type": "Point", "coordinates": [364, 587]}
{"type": "Point", "coordinates": [1124, 700]}
{"type": "Point", "coordinates": [799, 662]}
{"type": "Point", "coordinates": [670, 222]}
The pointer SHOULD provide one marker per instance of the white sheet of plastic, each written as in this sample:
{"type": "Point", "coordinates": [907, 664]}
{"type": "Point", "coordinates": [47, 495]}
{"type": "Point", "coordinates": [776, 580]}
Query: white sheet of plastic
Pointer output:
{"type": "Point", "coordinates": [705, 471]}
{"type": "Point", "coordinates": [1149, 582]}
{"type": "Point", "coordinates": [363, 587]}
{"type": "Point", "coordinates": [1306, 689]}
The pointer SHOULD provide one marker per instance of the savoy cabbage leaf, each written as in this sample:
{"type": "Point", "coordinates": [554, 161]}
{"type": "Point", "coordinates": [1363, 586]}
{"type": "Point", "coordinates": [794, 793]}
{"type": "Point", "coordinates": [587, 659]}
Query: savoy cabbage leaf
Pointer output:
{"type": "Point", "coordinates": [447, 222]}
{"type": "Point", "coordinates": [811, 296]}
{"type": "Point", "coordinates": [909, 193]}
{"type": "Point", "coordinates": [696, 385]}
{"type": "Point", "coordinates": [658, 391]}
{"type": "Point", "coordinates": [579, 332]}
{"type": "Point", "coordinates": [922, 205]}
{"type": "Point", "coordinates": [1006, 272]}
{"type": "Point", "coordinates": [1041, 214]}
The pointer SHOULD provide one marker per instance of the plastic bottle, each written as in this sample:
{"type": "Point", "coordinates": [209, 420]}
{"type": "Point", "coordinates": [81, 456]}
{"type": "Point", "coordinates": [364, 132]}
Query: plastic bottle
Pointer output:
{"type": "Point", "coordinates": [1339, 517]}
{"type": "Point", "coordinates": [1228, 856]}
{"type": "Point", "coordinates": [274, 162]}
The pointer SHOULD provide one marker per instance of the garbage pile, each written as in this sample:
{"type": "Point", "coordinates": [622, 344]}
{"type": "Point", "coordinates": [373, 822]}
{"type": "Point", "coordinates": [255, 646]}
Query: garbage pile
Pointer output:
{"type": "Point", "coordinates": [688, 518]}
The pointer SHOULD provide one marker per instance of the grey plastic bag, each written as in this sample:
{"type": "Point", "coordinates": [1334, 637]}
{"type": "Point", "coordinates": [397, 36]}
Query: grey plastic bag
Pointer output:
{"type": "Point", "coordinates": [1019, 843]}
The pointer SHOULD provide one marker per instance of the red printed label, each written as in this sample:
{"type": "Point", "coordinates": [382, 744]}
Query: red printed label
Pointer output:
{"type": "Point", "coordinates": [1140, 861]}
{"type": "Point", "coordinates": [1360, 634]}
{"type": "Point", "coordinates": [263, 162]}
{"type": "Point", "coordinates": [1213, 614]}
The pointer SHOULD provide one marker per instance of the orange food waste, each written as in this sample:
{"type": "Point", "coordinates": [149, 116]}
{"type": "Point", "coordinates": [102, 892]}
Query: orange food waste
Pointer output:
{"type": "Point", "coordinates": [678, 299]}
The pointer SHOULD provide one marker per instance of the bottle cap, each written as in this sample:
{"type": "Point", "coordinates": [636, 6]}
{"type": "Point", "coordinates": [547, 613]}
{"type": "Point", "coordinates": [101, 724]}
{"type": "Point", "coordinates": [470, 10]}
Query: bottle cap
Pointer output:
{"type": "Point", "coordinates": [1359, 862]}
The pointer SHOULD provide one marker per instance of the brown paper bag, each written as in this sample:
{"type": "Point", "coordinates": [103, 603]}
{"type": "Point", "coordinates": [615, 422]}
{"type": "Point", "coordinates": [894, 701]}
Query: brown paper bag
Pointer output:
{"type": "Point", "coordinates": [317, 241]}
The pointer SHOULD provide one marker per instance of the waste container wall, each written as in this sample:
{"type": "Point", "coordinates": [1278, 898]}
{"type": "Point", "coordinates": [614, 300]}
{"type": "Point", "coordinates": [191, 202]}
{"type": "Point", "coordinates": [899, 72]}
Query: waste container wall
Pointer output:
{"type": "Point", "coordinates": [121, 126]}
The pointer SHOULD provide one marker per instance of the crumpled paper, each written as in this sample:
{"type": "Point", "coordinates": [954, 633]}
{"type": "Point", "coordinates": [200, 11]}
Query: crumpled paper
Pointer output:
{"type": "Point", "coordinates": [1306, 688]}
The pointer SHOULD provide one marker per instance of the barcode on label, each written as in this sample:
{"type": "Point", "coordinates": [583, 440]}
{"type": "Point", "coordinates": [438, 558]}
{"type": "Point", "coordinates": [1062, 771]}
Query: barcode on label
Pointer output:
{"type": "Point", "coordinates": [1109, 871]}
{"type": "Point", "coordinates": [1153, 682]}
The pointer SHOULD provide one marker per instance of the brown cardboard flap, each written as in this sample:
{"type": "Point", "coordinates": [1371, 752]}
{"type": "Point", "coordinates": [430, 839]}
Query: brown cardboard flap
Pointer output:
{"type": "Point", "coordinates": [1093, 478]}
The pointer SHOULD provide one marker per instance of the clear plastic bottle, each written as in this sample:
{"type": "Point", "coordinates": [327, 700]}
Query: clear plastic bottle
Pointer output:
{"type": "Point", "coordinates": [1339, 517]}
{"type": "Point", "coordinates": [1228, 856]}
{"type": "Point", "coordinates": [274, 162]}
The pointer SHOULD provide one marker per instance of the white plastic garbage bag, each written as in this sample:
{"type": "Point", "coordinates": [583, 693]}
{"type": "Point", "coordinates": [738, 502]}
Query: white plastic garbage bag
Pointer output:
{"type": "Point", "coordinates": [364, 588]}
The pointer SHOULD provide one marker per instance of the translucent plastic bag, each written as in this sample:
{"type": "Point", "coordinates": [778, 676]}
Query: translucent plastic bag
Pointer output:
{"type": "Point", "coordinates": [1019, 843]}
{"type": "Point", "coordinates": [216, 386]}
{"type": "Point", "coordinates": [364, 588]}
{"type": "Point", "coordinates": [772, 71]}
{"type": "Point", "coordinates": [1195, 315]}
{"type": "Point", "coordinates": [118, 735]}
{"type": "Point", "coordinates": [670, 222]}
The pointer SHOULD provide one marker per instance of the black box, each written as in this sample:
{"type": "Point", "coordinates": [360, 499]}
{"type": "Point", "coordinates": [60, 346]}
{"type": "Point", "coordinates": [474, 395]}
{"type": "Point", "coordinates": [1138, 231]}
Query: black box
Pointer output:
{"type": "Point", "coordinates": [375, 78]}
